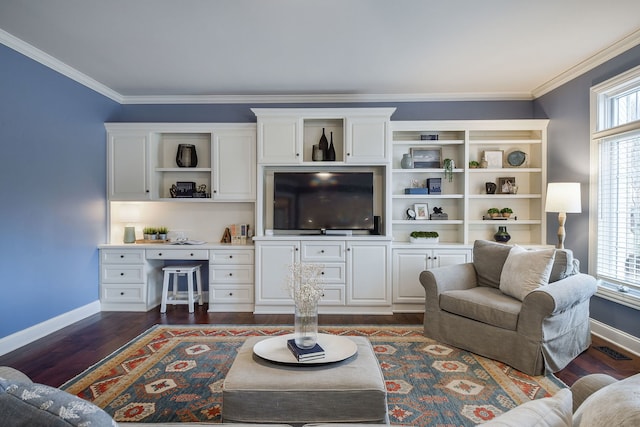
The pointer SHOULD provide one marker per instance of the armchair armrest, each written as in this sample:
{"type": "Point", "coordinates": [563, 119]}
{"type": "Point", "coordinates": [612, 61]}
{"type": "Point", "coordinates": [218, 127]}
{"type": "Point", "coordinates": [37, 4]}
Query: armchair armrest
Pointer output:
{"type": "Point", "coordinates": [448, 278]}
{"type": "Point", "coordinates": [586, 386]}
{"type": "Point", "coordinates": [558, 296]}
{"type": "Point", "coordinates": [553, 299]}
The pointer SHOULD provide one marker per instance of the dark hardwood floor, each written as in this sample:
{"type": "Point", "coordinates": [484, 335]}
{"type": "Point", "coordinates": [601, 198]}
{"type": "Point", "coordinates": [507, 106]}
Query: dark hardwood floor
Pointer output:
{"type": "Point", "coordinates": [64, 354]}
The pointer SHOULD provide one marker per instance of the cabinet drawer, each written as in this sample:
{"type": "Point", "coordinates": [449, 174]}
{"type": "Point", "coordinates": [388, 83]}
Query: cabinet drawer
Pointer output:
{"type": "Point", "coordinates": [231, 274]}
{"type": "Point", "coordinates": [120, 256]}
{"type": "Point", "coordinates": [121, 293]}
{"type": "Point", "coordinates": [230, 294]}
{"type": "Point", "coordinates": [333, 295]}
{"type": "Point", "coordinates": [123, 274]}
{"type": "Point", "coordinates": [199, 254]}
{"type": "Point", "coordinates": [333, 273]}
{"type": "Point", "coordinates": [322, 251]}
{"type": "Point", "coordinates": [224, 256]}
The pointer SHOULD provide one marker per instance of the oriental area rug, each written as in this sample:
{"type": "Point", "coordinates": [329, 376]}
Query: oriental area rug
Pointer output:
{"type": "Point", "coordinates": [176, 374]}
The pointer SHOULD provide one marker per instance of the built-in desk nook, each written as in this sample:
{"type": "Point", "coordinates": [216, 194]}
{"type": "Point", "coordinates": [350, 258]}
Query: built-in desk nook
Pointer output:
{"type": "Point", "coordinates": [131, 274]}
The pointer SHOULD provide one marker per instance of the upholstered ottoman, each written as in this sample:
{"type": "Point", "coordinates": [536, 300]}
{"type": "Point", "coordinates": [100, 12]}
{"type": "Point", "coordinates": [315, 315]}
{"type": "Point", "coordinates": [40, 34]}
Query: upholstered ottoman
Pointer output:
{"type": "Point", "coordinates": [256, 390]}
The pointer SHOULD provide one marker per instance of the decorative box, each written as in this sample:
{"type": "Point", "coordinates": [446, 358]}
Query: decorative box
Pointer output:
{"type": "Point", "coordinates": [418, 190]}
{"type": "Point", "coordinates": [440, 216]}
{"type": "Point", "coordinates": [434, 185]}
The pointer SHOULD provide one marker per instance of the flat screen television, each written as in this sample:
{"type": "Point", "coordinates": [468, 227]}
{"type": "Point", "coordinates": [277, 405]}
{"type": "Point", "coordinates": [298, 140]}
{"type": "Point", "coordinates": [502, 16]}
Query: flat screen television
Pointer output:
{"type": "Point", "coordinates": [323, 201]}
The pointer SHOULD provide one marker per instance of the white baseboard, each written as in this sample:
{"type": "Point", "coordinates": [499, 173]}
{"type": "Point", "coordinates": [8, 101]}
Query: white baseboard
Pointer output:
{"type": "Point", "coordinates": [35, 332]}
{"type": "Point", "coordinates": [620, 338]}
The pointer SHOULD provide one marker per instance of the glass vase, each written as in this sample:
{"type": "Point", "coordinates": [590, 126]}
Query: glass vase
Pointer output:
{"type": "Point", "coordinates": [407, 161]}
{"type": "Point", "coordinates": [306, 326]}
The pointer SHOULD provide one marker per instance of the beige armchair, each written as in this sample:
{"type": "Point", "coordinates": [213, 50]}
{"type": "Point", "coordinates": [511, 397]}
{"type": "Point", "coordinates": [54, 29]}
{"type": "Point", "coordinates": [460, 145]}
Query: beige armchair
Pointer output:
{"type": "Point", "coordinates": [533, 316]}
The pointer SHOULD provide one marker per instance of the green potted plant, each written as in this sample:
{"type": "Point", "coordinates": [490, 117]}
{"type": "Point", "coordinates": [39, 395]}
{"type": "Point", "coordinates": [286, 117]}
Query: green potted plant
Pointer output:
{"type": "Point", "coordinates": [506, 212]}
{"type": "Point", "coordinates": [473, 164]}
{"type": "Point", "coordinates": [162, 233]}
{"type": "Point", "coordinates": [493, 212]}
{"type": "Point", "coordinates": [424, 237]}
{"type": "Point", "coordinates": [150, 233]}
{"type": "Point", "coordinates": [448, 164]}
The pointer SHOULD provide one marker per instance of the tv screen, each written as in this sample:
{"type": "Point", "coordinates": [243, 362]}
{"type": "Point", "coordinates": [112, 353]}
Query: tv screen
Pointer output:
{"type": "Point", "coordinates": [323, 200]}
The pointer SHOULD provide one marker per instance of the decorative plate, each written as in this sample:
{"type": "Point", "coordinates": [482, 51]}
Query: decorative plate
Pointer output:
{"type": "Point", "coordinates": [516, 158]}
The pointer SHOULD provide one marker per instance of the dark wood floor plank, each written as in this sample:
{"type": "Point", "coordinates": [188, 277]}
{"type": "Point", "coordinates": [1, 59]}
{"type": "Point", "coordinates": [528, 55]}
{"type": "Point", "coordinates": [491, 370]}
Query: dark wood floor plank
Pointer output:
{"type": "Point", "coordinates": [66, 353]}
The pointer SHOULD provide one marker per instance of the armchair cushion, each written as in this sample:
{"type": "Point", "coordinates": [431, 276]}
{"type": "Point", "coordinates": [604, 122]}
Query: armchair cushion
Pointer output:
{"type": "Point", "coordinates": [484, 304]}
{"type": "Point", "coordinates": [525, 271]}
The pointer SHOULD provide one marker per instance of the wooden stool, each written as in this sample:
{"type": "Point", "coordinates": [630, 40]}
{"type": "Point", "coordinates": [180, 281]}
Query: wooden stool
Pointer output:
{"type": "Point", "coordinates": [178, 297]}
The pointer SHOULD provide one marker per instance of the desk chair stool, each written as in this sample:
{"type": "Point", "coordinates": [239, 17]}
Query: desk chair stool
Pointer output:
{"type": "Point", "coordinates": [176, 297]}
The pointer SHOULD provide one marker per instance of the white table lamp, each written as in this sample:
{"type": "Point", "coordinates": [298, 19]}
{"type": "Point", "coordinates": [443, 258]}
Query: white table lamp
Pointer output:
{"type": "Point", "coordinates": [563, 197]}
{"type": "Point", "coordinates": [129, 214]}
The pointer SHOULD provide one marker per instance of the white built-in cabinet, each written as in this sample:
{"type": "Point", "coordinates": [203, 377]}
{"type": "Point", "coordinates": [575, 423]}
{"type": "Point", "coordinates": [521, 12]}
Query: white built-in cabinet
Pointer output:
{"type": "Point", "coordinates": [355, 274]}
{"type": "Point", "coordinates": [409, 262]}
{"type": "Point", "coordinates": [142, 161]}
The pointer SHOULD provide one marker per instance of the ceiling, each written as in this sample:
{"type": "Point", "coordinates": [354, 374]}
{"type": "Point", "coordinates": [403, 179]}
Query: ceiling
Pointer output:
{"type": "Point", "coordinates": [403, 48]}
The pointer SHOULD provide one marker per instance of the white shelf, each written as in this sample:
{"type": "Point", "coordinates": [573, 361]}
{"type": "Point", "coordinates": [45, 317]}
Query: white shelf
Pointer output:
{"type": "Point", "coordinates": [425, 170]}
{"type": "Point", "coordinates": [430, 222]}
{"type": "Point", "coordinates": [504, 170]}
{"type": "Point", "coordinates": [427, 196]}
{"type": "Point", "coordinates": [504, 141]}
{"type": "Point", "coordinates": [492, 222]}
{"type": "Point", "coordinates": [504, 196]}
{"type": "Point", "coordinates": [427, 142]}
{"type": "Point", "coordinates": [183, 170]}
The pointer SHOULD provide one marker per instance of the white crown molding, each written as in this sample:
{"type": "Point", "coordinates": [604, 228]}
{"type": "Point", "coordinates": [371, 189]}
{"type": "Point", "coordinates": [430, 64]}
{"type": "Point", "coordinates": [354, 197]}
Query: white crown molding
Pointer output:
{"type": "Point", "coordinates": [326, 98]}
{"type": "Point", "coordinates": [630, 41]}
{"type": "Point", "coordinates": [47, 60]}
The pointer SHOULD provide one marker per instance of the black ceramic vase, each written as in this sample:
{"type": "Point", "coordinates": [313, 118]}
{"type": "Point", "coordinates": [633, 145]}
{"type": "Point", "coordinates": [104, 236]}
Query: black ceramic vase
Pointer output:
{"type": "Point", "coordinates": [502, 235]}
{"type": "Point", "coordinates": [331, 151]}
{"type": "Point", "coordinates": [323, 145]}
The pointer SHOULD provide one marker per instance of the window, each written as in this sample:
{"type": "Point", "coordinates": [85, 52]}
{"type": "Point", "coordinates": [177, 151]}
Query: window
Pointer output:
{"type": "Point", "coordinates": [615, 189]}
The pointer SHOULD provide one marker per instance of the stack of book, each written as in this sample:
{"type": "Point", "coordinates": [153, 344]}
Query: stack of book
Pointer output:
{"type": "Point", "coordinates": [305, 354]}
{"type": "Point", "coordinates": [239, 234]}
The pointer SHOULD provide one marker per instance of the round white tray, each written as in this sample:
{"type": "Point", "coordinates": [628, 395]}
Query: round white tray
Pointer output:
{"type": "Point", "coordinates": [336, 349]}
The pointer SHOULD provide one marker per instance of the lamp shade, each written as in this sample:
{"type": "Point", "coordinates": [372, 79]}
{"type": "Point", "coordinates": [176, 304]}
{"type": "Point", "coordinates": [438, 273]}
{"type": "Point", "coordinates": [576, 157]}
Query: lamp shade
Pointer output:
{"type": "Point", "coordinates": [563, 197]}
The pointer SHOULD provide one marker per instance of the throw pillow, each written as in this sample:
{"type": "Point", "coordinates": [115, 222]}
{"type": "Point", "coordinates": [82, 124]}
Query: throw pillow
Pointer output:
{"type": "Point", "coordinates": [30, 404]}
{"type": "Point", "coordinates": [488, 260]}
{"type": "Point", "coordinates": [525, 271]}
{"type": "Point", "coordinates": [552, 411]}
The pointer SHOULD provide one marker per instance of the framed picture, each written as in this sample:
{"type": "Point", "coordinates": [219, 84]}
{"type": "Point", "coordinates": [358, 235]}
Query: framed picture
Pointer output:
{"type": "Point", "coordinates": [506, 185]}
{"type": "Point", "coordinates": [494, 158]}
{"type": "Point", "coordinates": [421, 210]}
{"type": "Point", "coordinates": [426, 157]}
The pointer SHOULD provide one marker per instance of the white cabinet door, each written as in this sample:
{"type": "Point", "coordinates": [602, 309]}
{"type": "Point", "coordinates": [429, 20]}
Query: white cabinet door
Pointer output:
{"type": "Point", "coordinates": [444, 257]}
{"type": "Point", "coordinates": [128, 167]}
{"type": "Point", "coordinates": [272, 268]}
{"type": "Point", "coordinates": [368, 281]}
{"type": "Point", "coordinates": [366, 140]}
{"type": "Point", "coordinates": [409, 263]}
{"type": "Point", "coordinates": [278, 141]}
{"type": "Point", "coordinates": [407, 266]}
{"type": "Point", "coordinates": [234, 170]}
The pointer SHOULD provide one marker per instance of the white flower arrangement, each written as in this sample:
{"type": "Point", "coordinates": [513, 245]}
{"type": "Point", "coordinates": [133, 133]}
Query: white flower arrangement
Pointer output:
{"type": "Point", "coordinates": [305, 284]}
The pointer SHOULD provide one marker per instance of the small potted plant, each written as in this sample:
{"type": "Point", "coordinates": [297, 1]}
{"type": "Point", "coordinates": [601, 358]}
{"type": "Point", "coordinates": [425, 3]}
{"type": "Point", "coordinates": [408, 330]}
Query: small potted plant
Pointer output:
{"type": "Point", "coordinates": [448, 164]}
{"type": "Point", "coordinates": [506, 212]}
{"type": "Point", "coordinates": [474, 165]}
{"type": "Point", "coordinates": [493, 212]}
{"type": "Point", "coordinates": [424, 237]}
{"type": "Point", "coordinates": [150, 233]}
{"type": "Point", "coordinates": [162, 233]}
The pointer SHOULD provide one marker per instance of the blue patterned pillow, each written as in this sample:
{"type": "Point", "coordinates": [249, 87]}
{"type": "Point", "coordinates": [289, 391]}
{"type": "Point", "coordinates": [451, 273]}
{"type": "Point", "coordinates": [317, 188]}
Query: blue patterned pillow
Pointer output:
{"type": "Point", "coordinates": [30, 404]}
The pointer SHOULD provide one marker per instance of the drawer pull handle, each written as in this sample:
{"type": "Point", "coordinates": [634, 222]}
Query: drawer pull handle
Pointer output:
{"type": "Point", "coordinates": [121, 293]}
{"type": "Point", "coordinates": [230, 256]}
{"type": "Point", "coordinates": [122, 274]}
{"type": "Point", "coordinates": [230, 274]}
{"type": "Point", "coordinates": [121, 256]}
{"type": "Point", "coordinates": [322, 251]}
{"type": "Point", "coordinates": [191, 254]}
{"type": "Point", "coordinates": [230, 294]}
{"type": "Point", "coordinates": [159, 253]}
{"type": "Point", "coordinates": [322, 273]}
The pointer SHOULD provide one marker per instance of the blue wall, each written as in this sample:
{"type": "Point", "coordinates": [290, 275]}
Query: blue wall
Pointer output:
{"type": "Point", "coordinates": [568, 160]}
{"type": "Point", "coordinates": [52, 197]}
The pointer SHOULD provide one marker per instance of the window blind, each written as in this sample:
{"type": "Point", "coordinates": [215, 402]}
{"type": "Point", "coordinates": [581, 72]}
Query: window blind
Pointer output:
{"type": "Point", "coordinates": [618, 253]}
